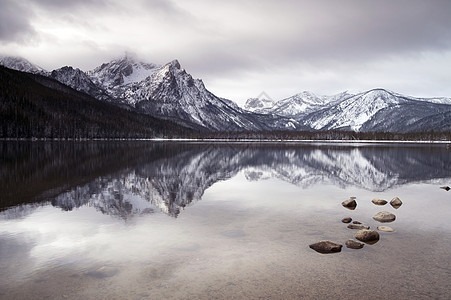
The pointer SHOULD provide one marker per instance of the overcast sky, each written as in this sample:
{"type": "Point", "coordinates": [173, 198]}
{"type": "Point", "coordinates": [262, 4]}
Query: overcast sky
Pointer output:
{"type": "Point", "coordinates": [240, 48]}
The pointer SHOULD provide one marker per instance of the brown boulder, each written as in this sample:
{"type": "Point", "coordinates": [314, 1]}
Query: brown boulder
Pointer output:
{"type": "Point", "coordinates": [367, 236]}
{"type": "Point", "coordinates": [358, 226]}
{"type": "Point", "coordinates": [350, 204]}
{"type": "Point", "coordinates": [384, 217]}
{"type": "Point", "coordinates": [352, 244]}
{"type": "Point", "coordinates": [378, 201]}
{"type": "Point", "coordinates": [326, 247]}
{"type": "Point", "coordinates": [396, 202]}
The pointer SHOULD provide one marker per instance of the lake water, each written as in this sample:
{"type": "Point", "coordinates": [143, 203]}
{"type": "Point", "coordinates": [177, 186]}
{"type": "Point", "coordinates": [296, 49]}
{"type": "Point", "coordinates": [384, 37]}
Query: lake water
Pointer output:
{"type": "Point", "coordinates": [156, 220]}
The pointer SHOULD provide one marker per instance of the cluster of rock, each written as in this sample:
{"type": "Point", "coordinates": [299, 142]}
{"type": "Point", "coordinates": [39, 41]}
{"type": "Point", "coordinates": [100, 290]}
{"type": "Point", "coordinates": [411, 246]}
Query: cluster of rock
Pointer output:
{"type": "Point", "coordinates": [364, 235]}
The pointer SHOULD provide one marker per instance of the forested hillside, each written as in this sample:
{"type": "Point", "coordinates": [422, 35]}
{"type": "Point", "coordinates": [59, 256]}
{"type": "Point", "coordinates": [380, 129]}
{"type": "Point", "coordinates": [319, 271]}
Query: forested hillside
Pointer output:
{"type": "Point", "coordinates": [34, 106]}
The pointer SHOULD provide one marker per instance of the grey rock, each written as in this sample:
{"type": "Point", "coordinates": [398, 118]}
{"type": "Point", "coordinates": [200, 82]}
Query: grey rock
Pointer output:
{"type": "Point", "coordinates": [350, 204]}
{"type": "Point", "coordinates": [384, 217]}
{"type": "Point", "coordinates": [346, 220]}
{"type": "Point", "coordinates": [396, 202]}
{"type": "Point", "coordinates": [358, 226]}
{"type": "Point", "coordinates": [378, 201]}
{"type": "Point", "coordinates": [326, 247]}
{"type": "Point", "coordinates": [367, 236]}
{"type": "Point", "coordinates": [352, 244]}
{"type": "Point", "coordinates": [385, 229]}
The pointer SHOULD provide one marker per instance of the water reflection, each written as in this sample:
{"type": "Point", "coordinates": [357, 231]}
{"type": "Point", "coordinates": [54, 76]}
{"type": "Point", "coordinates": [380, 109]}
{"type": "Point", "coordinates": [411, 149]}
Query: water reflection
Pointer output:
{"type": "Point", "coordinates": [125, 179]}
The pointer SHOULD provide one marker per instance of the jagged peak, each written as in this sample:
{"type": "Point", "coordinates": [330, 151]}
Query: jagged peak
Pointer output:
{"type": "Point", "coordinates": [69, 69]}
{"type": "Point", "coordinates": [174, 63]}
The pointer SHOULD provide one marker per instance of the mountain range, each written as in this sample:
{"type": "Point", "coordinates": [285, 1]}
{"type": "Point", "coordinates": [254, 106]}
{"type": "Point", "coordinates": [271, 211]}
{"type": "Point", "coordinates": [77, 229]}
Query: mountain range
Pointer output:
{"type": "Point", "coordinates": [169, 92]}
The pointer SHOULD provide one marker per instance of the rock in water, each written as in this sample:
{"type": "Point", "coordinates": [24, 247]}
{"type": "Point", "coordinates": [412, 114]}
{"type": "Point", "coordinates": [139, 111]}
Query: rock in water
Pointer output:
{"type": "Point", "coordinates": [378, 201]}
{"type": "Point", "coordinates": [352, 244]}
{"type": "Point", "coordinates": [367, 236]}
{"type": "Point", "coordinates": [446, 188]}
{"type": "Point", "coordinates": [326, 247]}
{"type": "Point", "coordinates": [384, 217]}
{"type": "Point", "coordinates": [346, 220]}
{"type": "Point", "coordinates": [385, 229]}
{"type": "Point", "coordinates": [350, 204]}
{"type": "Point", "coordinates": [396, 202]}
{"type": "Point", "coordinates": [358, 226]}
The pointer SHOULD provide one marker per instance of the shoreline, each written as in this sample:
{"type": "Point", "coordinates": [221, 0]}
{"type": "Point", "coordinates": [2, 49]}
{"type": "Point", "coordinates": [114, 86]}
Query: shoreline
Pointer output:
{"type": "Point", "coordinates": [221, 140]}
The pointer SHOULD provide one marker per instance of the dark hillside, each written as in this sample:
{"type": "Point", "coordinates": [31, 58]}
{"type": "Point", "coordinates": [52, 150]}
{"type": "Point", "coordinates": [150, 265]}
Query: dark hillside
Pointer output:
{"type": "Point", "coordinates": [34, 106]}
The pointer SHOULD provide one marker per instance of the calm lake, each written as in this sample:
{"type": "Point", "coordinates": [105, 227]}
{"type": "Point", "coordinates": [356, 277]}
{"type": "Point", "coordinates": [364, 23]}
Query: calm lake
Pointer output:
{"type": "Point", "coordinates": [167, 220]}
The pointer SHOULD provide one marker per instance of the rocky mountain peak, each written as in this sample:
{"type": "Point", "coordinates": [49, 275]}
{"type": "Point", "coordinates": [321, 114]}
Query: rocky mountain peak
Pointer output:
{"type": "Point", "coordinates": [175, 63]}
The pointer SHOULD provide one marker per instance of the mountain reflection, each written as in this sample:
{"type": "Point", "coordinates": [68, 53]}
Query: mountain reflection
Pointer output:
{"type": "Point", "coordinates": [124, 179]}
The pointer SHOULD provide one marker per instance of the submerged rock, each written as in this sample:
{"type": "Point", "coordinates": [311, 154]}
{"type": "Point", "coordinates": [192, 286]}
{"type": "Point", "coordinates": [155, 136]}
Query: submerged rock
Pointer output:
{"type": "Point", "coordinates": [367, 236]}
{"type": "Point", "coordinates": [378, 201]}
{"type": "Point", "coordinates": [356, 222]}
{"type": "Point", "coordinates": [352, 244]}
{"type": "Point", "coordinates": [346, 220]}
{"type": "Point", "coordinates": [325, 247]}
{"type": "Point", "coordinates": [384, 217]}
{"type": "Point", "coordinates": [358, 226]}
{"type": "Point", "coordinates": [385, 228]}
{"type": "Point", "coordinates": [350, 204]}
{"type": "Point", "coordinates": [396, 202]}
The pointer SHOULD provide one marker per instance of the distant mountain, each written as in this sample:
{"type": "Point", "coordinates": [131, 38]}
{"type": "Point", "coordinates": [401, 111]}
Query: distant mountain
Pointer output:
{"type": "Point", "coordinates": [373, 110]}
{"type": "Point", "coordinates": [35, 106]}
{"type": "Point", "coordinates": [21, 64]}
{"type": "Point", "coordinates": [377, 110]}
{"type": "Point", "coordinates": [302, 104]}
{"type": "Point", "coordinates": [258, 104]}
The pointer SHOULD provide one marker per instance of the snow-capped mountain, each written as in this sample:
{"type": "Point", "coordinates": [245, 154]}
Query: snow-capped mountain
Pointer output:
{"type": "Point", "coordinates": [168, 91]}
{"type": "Point", "coordinates": [376, 110]}
{"type": "Point", "coordinates": [21, 64]}
{"type": "Point", "coordinates": [120, 77]}
{"type": "Point", "coordinates": [373, 110]}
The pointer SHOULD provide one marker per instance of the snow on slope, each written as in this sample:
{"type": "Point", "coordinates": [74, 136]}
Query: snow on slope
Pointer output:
{"type": "Point", "coordinates": [258, 104]}
{"type": "Point", "coordinates": [21, 64]}
{"type": "Point", "coordinates": [295, 106]}
{"type": "Point", "coordinates": [353, 112]}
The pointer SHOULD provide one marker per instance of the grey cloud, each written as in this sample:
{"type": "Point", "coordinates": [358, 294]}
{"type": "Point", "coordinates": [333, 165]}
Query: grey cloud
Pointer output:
{"type": "Point", "coordinates": [321, 32]}
{"type": "Point", "coordinates": [15, 22]}
{"type": "Point", "coordinates": [58, 5]}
